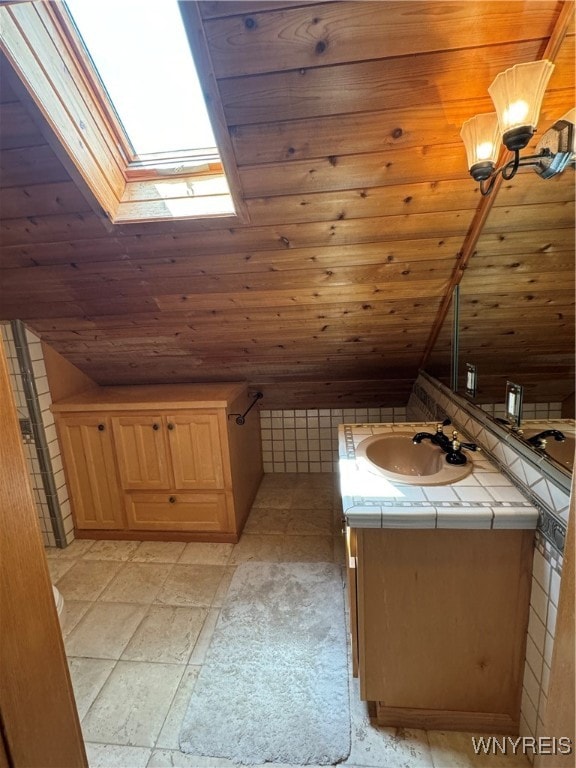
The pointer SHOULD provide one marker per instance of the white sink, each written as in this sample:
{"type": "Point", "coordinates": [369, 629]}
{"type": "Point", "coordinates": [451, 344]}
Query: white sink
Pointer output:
{"type": "Point", "coordinates": [393, 455]}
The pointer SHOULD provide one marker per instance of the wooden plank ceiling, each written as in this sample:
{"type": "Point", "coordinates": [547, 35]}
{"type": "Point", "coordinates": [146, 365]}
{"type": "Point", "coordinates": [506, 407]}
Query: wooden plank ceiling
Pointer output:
{"type": "Point", "coordinates": [345, 120]}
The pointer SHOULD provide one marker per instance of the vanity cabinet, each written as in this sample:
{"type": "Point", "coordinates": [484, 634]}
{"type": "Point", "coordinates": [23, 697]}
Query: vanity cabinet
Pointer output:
{"type": "Point", "coordinates": [438, 622]}
{"type": "Point", "coordinates": [162, 461]}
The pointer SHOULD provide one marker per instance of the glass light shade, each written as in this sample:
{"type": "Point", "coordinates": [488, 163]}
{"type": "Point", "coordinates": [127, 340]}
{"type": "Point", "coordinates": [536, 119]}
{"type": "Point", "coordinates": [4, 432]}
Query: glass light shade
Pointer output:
{"type": "Point", "coordinates": [481, 137]}
{"type": "Point", "coordinates": [517, 94]}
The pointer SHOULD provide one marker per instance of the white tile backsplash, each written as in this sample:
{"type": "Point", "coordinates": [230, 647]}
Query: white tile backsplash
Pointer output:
{"type": "Point", "coordinates": [307, 440]}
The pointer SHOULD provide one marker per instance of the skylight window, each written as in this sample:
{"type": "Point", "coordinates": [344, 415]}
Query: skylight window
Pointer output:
{"type": "Point", "coordinates": [115, 83]}
{"type": "Point", "coordinates": [141, 53]}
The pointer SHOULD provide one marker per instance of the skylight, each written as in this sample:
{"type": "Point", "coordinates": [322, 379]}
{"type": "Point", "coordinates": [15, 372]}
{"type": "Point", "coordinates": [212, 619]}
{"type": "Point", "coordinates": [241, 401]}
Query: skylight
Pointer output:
{"type": "Point", "coordinates": [141, 52]}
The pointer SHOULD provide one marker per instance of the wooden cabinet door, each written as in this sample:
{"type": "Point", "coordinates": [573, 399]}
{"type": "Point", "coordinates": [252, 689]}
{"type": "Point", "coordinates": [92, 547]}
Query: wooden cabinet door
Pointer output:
{"type": "Point", "coordinates": [141, 450]}
{"type": "Point", "coordinates": [196, 450]}
{"type": "Point", "coordinates": [88, 451]}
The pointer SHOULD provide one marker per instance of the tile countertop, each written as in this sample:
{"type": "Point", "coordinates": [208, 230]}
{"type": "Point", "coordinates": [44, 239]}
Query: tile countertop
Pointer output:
{"type": "Point", "coordinates": [483, 499]}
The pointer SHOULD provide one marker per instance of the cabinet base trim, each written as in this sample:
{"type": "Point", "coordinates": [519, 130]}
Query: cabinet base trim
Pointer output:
{"type": "Point", "coordinates": [445, 720]}
{"type": "Point", "coordinates": [218, 538]}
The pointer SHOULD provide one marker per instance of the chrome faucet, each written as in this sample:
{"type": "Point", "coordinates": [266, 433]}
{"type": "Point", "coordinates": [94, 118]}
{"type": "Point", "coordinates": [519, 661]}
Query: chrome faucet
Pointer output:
{"type": "Point", "coordinates": [539, 440]}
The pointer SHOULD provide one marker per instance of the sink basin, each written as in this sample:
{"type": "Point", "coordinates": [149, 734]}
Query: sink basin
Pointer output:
{"type": "Point", "coordinates": [393, 455]}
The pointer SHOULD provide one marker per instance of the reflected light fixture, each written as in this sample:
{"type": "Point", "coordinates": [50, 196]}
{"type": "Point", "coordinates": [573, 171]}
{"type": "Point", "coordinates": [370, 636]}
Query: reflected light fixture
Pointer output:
{"type": "Point", "coordinates": [517, 94]}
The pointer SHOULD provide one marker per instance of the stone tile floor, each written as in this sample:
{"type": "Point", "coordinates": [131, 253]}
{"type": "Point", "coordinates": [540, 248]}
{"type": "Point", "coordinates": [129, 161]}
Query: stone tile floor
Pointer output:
{"type": "Point", "coordinates": [140, 615]}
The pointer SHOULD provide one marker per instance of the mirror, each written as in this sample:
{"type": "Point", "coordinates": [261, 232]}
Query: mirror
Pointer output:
{"type": "Point", "coordinates": [441, 361]}
{"type": "Point", "coordinates": [516, 308]}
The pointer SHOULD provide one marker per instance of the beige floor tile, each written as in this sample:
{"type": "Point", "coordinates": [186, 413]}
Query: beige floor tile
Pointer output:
{"type": "Point", "coordinates": [451, 749]}
{"type": "Point", "coordinates": [374, 746]}
{"type": "Point", "coordinates": [307, 549]}
{"type": "Point", "coordinates": [73, 551]}
{"type": "Point", "coordinates": [167, 634]}
{"type": "Point", "coordinates": [312, 480]}
{"type": "Point", "coordinates": [205, 553]}
{"type": "Point", "coordinates": [58, 567]}
{"type": "Point", "coordinates": [87, 579]}
{"type": "Point", "coordinates": [203, 642]}
{"type": "Point", "coordinates": [164, 758]}
{"type": "Point", "coordinates": [73, 612]}
{"type": "Point", "coordinates": [105, 630]}
{"type": "Point", "coordinates": [169, 735]}
{"type": "Point", "coordinates": [312, 522]}
{"type": "Point", "coordinates": [264, 520]}
{"type": "Point", "coordinates": [191, 585]}
{"type": "Point", "coordinates": [111, 550]}
{"type": "Point", "coordinates": [158, 552]}
{"type": "Point", "coordinates": [114, 756]}
{"type": "Point", "coordinates": [273, 498]}
{"type": "Point", "coordinates": [312, 498]}
{"type": "Point", "coordinates": [339, 550]}
{"type": "Point", "coordinates": [133, 704]}
{"type": "Point", "coordinates": [274, 481]}
{"type": "Point", "coordinates": [223, 587]}
{"type": "Point", "coordinates": [137, 583]}
{"type": "Point", "coordinates": [88, 677]}
{"type": "Point", "coordinates": [253, 546]}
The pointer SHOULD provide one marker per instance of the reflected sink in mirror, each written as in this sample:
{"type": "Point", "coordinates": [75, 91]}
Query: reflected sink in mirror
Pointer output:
{"type": "Point", "coordinates": [561, 452]}
{"type": "Point", "coordinates": [394, 456]}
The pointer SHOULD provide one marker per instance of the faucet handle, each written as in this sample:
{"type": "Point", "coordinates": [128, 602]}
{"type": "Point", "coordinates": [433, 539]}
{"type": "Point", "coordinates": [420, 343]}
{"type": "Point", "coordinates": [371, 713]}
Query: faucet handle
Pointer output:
{"type": "Point", "coordinates": [454, 435]}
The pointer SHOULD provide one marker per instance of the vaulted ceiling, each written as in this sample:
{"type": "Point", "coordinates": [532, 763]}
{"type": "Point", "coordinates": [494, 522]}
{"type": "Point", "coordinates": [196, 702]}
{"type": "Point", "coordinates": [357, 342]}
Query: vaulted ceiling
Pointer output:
{"type": "Point", "coordinates": [344, 119]}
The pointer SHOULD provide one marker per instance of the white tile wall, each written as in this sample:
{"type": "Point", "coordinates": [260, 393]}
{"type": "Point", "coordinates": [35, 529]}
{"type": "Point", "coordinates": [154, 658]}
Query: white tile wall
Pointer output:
{"type": "Point", "coordinates": [41, 381]}
{"type": "Point", "coordinates": [547, 561]}
{"type": "Point", "coordinates": [307, 440]}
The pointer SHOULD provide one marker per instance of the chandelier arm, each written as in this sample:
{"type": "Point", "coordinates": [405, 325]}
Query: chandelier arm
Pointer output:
{"type": "Point", "coordinates": [531, 160]}
{"type": "Point", "coordinates": [486, 185]}
{"type": "Point", "coordinates": [512, 164]}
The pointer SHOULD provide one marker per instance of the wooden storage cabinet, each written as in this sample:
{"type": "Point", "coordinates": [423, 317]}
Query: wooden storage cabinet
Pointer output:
{"type": "Point", "coordinates": [88, 451]}
{"type": "Point", "coordinates": [165, 461]}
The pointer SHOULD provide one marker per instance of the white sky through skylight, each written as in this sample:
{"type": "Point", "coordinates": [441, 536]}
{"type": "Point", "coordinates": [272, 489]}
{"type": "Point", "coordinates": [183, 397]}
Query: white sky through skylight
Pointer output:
{"type": "Point", "coordinates": [141, 51]}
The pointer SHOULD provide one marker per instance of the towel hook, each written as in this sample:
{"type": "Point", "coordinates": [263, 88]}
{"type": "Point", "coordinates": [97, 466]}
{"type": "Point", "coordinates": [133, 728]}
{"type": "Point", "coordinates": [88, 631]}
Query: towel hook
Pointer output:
{"type": "Point", "coordinates": [241, 417]}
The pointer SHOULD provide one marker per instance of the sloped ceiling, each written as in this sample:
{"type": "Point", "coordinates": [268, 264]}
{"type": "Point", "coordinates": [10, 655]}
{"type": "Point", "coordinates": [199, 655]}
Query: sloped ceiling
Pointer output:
{"type": "Point", "coordinates": [345, 120]}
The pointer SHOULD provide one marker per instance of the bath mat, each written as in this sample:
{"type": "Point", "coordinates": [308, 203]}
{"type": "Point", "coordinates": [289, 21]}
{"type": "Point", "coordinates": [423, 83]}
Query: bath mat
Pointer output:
{"type": "Point", "coordinates": [274, 686]}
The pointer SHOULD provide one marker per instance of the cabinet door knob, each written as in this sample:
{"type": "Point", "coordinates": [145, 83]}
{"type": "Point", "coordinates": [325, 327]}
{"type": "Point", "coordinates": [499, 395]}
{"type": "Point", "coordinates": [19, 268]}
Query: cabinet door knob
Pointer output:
{"type": "Point", "coordinates": [170, 426]}
{"type": "Point", "coordinates": [101, 427]}
{"type": "Point", "coordinates": [155, 427]}
{"type": "Point", "coordinates": [172, 499]}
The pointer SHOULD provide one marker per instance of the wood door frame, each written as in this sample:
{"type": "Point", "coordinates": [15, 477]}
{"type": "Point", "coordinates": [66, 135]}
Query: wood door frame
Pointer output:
{"type": "Point", "coordinates": [37, 707]}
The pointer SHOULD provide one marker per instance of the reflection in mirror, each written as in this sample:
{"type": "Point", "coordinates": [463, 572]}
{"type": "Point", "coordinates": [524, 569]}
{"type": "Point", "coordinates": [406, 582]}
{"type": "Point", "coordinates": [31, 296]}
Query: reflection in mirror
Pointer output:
{"type": "Point", "coordinates": [517, 300]}
{"type": "Point", "coordinates": [557, 447]}
{"type": "Point", "coordinates": [439, 363]}
{"type": "Point", "coordinates": [516, 317]}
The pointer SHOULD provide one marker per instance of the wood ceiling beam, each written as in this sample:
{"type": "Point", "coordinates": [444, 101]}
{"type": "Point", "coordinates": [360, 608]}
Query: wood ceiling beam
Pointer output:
{"type": "Point", "coordinates": [561, 29]}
